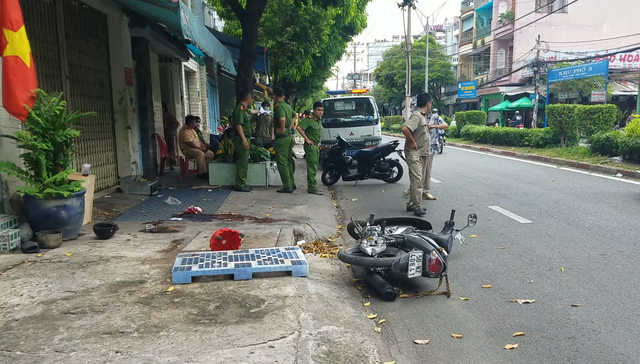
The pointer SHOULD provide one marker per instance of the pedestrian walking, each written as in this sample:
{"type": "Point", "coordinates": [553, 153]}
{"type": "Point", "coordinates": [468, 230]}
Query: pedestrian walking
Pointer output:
{"type": "Point", "coordinates": [283, 116]}
{"type": "Point", "coordinates": [309, 129]}
{"type": "Point", "coordinates": [241, 141]}
{"type": "Point", "coordinates": [416, 146]}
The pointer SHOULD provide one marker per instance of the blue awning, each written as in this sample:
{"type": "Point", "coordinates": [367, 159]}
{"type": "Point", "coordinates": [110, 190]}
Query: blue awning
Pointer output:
{"type": "Point", "coordinates": [176, 16]}
{"type": "Point", "coordinates": [487, 6]}
{"type": "Point", "coordinates": [233, 46]}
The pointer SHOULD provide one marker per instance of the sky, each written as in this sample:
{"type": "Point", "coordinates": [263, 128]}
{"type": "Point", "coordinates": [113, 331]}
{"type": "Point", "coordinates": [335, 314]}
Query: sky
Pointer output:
{"type": "Point", "coordinates": [385, 20]}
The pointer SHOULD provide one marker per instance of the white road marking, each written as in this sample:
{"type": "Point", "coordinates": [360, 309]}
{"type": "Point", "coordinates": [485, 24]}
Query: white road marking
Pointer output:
{"type": "Point", "coordinates": [433, 180]}
{"type": "Point", "coordinates": [619, 179]}
{"type": "Point", "coordinates": [510, 214]}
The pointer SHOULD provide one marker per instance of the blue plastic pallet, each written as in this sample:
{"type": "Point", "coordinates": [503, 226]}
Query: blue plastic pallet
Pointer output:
{"type": "Point", "coordinates": [241, 263]}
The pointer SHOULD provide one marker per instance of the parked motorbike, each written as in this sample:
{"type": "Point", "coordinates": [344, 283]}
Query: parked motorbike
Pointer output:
{"type": "Point", "coordinates": [363, 164]}
{"type": "Point", "coordinates": [401, 247]}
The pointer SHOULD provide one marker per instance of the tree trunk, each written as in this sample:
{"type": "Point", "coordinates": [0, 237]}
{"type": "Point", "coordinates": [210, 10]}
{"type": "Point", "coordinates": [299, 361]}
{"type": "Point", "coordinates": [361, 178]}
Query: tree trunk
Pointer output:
{"type": "Point", "coordinates": [250, 21]}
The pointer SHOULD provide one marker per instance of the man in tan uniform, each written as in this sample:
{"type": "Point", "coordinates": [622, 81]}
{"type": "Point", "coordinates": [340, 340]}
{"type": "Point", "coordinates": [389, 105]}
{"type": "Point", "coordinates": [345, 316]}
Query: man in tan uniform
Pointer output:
{"type": "Point", "coordinates": [191, 146]}
{"type": "Point", "coordinates": [416, 146]}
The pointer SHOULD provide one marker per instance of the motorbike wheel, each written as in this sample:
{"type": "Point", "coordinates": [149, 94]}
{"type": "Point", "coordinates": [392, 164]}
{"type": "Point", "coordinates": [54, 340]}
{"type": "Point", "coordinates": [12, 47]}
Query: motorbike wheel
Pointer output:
{"type": "Point", "coordinates": [354, 256]}
{"type": "Point", "coordinates": [330, 176]}
{"type": "Point", "coordinates": [396, 172]}
{"type": "Point", "coordinates": [440, 146]}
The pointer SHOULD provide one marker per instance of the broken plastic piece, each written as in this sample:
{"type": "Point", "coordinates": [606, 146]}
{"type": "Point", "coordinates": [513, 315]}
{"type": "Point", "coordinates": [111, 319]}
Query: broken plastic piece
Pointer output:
{"type": "Point", "coordinates": [225, 239]}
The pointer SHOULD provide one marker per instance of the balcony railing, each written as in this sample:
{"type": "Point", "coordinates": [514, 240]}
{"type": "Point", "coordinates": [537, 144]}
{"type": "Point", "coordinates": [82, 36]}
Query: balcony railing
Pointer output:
{"type": "Point", "coordinates": [484, 32]}
{"type": "Point", "coordinates": [466, 5]}
{"type": "Point", "coordinates": [466, 37]}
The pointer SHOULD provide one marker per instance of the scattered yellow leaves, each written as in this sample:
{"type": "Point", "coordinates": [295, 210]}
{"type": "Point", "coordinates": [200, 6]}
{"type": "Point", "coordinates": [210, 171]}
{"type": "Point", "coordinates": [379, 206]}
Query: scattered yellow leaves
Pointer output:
{"type": "Point", "coordinates": [168, 290]}
{"type": "Point", "coordinates": [464, 298]}
{"type": "Point", "coordinates": [576, 305]}
{"type": "Point", "coordinates": [367, 304]}
{"type": "Point", "coordinates": [456, 336]}
{"type": "Point", "coordinates": [378, 330]}
{"type": "Point", "coordinates": [473, 236]}
{"type": "Point", "coordinates": [486, 286]}
{"type": "Point", "coordinates": [421, 342]}
{"type": "Point", "coordinates": [372, 316]}
{"type": "Point", "coordinates": [68, 254]}
{"type": "Point", "coordinates": [382, 321]}
{"type": "Point", "coordinates": [562, 269]}
{"type": "Point", "coordinates": [520, 333]}
{"type": "Point", "coordinates": [39, 255]}
{"type": "Point", "coordinates": [390, 362]}
{"type": "Point", "coordinates": [511, 346]}
{"type": "Point", "coordinates": [404, 295]}
{"type": "Point", "coordinates": [523, 301]}
{"type": "Point", "coordinates": [339, 226]}
{"type": "Point", "coordinates": [321, 249]}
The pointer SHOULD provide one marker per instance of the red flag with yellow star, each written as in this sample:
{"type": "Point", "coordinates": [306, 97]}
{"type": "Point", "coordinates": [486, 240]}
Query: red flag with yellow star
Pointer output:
{"type": "Point", "coordinates": [18, 72]}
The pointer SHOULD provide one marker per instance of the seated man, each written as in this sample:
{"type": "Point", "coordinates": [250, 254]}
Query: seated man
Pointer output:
{"type": "Point", "coordinates": [191, 146]}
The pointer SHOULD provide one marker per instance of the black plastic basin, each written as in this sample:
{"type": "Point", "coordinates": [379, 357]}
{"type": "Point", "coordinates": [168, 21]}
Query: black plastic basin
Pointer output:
{"type": "Point", "coordinates": [105, 230]}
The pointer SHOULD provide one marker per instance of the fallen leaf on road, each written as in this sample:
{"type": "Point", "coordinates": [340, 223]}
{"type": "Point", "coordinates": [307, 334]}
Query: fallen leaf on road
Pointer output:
{"type": "Point", "coordinates": [421, 342]}
{"type": "Point", "coordinates": [473, 236]}
{"type": "Point", "coordinates": [520, 333]}
{"type": "Point", "coordinates": [270, 207]}
{"type": "Point", "coordinates": [456, 336]}
{"type": "Point", "coordinates": [511, 346]}
{"type": "Point", "coordinates": [521, 301]}
{"type": "Point", "coordinates": [486, 286]}
{"type": "Point", "coordinates": [367, 304]}
{"type": "Point", "coordinates": [267, 215]}
{"type": "Point", "coordinates": [576, 305]}
{"type": "Point", "coordinates": [68, 254]}
{"type": "Point", "coordinates": [382, 321]}
{"type": "Point", "coordinates": [169, 289]}
{"type": "Point", "coordinates": [39, 255]}
{"type": "Point", "coordinates": [339, 217]}
{"type": "Point", "coordinates": [372, 316]}
{"type": "Point", "coordinates": [404, 295]}
{"type": "Point", "coordinates": [562, 269]}
{"type": "Point", "coordinates": [378, 330]}
{"type": "Point", "coordinates": [464, 298]}
{"type": "Point", "coordinates": [339, 226]}
{"type": "Point", "coordinates": [348, 265]}
{"type": "Point", "coordinates": [360, 287]}
{"type": "Point", "coordinates": [354, 199]}
{"type": "Point", "coordinates": [331, 240]}
{"type": "Point", "coordinates": [531, 281]}
{"type": "Point", "coordinates": [390, 362]}
{"type": "Point", "coordinates": [356, 279]}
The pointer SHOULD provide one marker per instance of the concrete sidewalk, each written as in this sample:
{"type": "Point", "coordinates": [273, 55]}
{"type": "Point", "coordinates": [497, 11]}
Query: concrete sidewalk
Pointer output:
{"type": "Point", "coordinates": [93, 301]}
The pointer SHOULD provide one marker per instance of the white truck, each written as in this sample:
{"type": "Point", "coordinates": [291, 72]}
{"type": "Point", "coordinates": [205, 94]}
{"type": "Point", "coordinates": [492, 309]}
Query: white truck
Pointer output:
{"type": "Point", "coordinates": [355, 118]}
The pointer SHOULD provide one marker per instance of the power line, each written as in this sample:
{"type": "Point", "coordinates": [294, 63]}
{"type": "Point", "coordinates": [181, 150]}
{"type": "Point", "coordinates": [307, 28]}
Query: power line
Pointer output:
{"type": "Point", "coordinates": [594, 40]}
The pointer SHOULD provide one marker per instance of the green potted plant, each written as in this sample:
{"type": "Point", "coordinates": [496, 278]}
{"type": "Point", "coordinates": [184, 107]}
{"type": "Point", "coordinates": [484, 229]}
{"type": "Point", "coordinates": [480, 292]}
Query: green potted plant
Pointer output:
{"type": "Point", "coordinates": [52, 202]}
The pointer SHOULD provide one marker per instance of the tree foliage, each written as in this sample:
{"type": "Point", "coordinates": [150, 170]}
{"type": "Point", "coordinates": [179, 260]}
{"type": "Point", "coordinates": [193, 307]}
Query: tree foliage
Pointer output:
{"type": "Point", "coordinates": [391, 74]}
{"type": "Point", "coordinates": [305, 38]}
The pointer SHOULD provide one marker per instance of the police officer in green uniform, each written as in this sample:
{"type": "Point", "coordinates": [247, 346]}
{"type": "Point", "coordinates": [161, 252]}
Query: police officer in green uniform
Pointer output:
{"type": "Point", "coordinates": [283, 144]}
{"type": "Point", "coordinates": [309, 129]}
{"type": "Point", "coordinates": [242, 139]}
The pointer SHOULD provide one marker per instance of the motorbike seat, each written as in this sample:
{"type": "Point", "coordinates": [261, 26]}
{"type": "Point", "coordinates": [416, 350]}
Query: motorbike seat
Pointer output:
{"type": "Point", "coordinates": [443, 240]}
{"type": "Point", "coordinates": [362, 153]}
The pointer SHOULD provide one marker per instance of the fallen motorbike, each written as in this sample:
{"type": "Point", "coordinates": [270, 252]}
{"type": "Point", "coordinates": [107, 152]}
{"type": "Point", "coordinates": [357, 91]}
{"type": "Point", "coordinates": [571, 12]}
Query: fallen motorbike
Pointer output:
{"type": "Point", "coordinates": [401, 247]}
{"type": "Point", "coordinates": [362, 164]}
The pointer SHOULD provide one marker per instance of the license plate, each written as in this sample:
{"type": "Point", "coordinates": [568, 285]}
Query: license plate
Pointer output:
{"type": "Point", "coordinates": [351, 152]}
{"type": "Point", "coordinates": [415, 264]}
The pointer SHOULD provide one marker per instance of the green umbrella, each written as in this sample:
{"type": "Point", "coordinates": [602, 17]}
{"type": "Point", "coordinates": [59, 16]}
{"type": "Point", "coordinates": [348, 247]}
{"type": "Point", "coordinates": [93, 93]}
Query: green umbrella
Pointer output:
{"type": "Point", "coordinates": [523, 103]}
{"type": "Point", "coordinates": [501, 106]}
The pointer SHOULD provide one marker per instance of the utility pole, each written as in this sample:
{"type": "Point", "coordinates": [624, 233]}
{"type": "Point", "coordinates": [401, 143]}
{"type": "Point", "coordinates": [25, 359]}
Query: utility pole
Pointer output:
{"type": "Point", "coordinates": [534, 122]}
{"type": "Point", "coordinates": [355, 53]}
{"type": "Point", "coordinates": [426, 67]}
{"type": "Point", "coordinates": [408, 49]}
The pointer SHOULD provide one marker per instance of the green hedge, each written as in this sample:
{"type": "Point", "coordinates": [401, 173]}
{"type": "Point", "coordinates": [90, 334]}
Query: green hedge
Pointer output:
{"type": "Point", "coordinates": [592, 119]}
{"type": "Point", "coordinates": [630, 148]}
{"type": "Point", "coordinates": [392, 120]}
{"type": "Point", "coordinates": [562, 120]}
{"type": "Point", "coordinates": [453, 131]}
{"type": "Point", "coordinates": [512, 137]}
{"type": "Point", "coordinates": [395, 128]}
{"type": "Point", "coordinates": [473, 117]}
{"type": "Point", "coordinates": [606, 143]}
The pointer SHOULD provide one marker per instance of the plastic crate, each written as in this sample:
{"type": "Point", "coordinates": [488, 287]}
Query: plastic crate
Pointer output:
{"type": "Point", "coordinates": [8, 222]}
{"type": "Point", "coordinates": [136, 185]}
{"type": "Point", "coordinates": [9, 239]}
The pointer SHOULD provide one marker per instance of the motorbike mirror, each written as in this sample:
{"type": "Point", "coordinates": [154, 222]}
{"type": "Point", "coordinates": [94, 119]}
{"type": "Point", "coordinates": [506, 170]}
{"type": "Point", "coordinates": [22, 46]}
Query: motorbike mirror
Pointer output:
{"type": "Point", "coordinates": [472, 220]}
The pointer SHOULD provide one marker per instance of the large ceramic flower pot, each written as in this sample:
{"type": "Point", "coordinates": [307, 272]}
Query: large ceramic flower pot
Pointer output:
{"type": "Point", "coordinates": [64, 214]}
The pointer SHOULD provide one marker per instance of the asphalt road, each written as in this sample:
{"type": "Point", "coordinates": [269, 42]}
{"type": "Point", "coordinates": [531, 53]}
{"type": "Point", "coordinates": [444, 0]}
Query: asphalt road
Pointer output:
{"type": "Point", "coordinates": [581, 247]}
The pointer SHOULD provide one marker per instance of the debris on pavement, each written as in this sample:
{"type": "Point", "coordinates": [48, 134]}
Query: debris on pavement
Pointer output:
{"type": "Point", "coordinates": [231, 216]}
{"type": "Point", "coordinates": [520, 333]}
{"type": "Point", "coordinates": [576, 305]}
{"type": "Point", "coordinates": [523, 301]}
{"type": "Point", "coordinates": [456, 336]}
{"type": "Point", "coordinates": [421, 342]}
{"type": "Point", "coordinates": [192, 210]}
{"type": "Point", "coordinates": [322, 249]}
{"type": "Point", "coordinates": [511, 346]}
{"type": "Point", "coordinates": [172, 201]}
{"type": "Point", "coordinates": [159, 228]}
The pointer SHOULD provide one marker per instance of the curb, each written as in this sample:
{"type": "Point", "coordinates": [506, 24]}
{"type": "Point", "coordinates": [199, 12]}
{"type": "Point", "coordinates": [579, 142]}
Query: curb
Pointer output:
{"type": "Point", "coordinates": [550, 160]}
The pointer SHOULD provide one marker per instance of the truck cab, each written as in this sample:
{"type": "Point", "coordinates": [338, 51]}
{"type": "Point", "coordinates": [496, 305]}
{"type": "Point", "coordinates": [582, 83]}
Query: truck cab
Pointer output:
{"type": "Point", "coordinates": [355, 118]}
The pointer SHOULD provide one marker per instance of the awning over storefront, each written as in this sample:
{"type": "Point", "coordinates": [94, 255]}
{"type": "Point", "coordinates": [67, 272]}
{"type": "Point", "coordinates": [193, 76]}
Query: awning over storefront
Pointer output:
{"type": "Point", "coordinates": [178, 18]}
{"type": "Point", "coordinates": [233, 46]}
{"type": "Point", "coordinates": [624, 88]}
{"type": "Point", "coordinates": [480, 50]}
{"type": "Point", "coordinates": [449, 100]}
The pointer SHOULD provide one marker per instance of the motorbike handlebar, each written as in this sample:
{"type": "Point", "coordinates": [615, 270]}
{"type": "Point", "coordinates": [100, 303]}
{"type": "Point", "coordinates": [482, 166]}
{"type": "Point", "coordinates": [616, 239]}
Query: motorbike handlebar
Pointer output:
{"type": "Point", "coordinates": [453, 215]}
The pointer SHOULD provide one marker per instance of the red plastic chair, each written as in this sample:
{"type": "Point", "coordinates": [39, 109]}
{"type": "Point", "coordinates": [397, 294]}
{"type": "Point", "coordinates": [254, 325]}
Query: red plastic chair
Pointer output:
{"type": "Point", "coordinates": [185, 162]}
{"type": "Point", "coordinates": [164, 156]}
